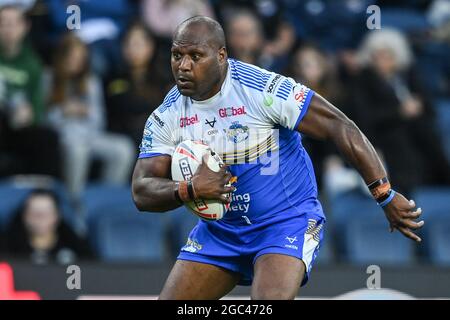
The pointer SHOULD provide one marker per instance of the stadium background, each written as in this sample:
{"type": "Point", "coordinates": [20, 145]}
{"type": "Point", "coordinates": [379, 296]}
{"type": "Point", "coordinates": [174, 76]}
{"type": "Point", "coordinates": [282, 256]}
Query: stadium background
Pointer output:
{"type": "Point", "coordinates": [73, 105]}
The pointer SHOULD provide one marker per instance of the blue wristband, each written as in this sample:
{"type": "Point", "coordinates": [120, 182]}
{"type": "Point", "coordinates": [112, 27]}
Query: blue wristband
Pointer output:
{"type": "Point", "coordinates": [388, 200]}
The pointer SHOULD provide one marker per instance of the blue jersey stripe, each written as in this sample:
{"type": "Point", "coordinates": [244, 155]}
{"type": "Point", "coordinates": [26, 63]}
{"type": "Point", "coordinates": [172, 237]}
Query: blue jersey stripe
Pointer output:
{"type": "Point", "coordinates": [249, 76]}
{"type": "Point", "coordinates": [170, 98]}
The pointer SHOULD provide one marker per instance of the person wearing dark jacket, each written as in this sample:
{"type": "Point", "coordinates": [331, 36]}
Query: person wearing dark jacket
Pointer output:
{"type": "Point", "coordinates": [396, 114]}
{"type": "Point", "coordinates": [39, 233]}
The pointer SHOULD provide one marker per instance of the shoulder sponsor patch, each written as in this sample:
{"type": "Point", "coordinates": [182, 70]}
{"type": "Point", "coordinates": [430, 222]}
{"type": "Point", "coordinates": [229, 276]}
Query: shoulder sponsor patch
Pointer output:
{"type": "Point", "coordinates": [273, 83]}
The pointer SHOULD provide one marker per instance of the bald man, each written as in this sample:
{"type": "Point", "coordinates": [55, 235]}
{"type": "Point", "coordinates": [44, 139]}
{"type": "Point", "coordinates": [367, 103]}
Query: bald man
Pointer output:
{"type": "Point", "coordinates": [272, 233]}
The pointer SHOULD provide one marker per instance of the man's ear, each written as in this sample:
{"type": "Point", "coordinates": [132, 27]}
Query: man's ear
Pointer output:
{"type": "Point", "coordinates": [222, 55]}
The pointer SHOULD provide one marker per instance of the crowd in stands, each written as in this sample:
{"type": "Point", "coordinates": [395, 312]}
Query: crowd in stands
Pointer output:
{"type": "Point", "coordinates": [73, 103]}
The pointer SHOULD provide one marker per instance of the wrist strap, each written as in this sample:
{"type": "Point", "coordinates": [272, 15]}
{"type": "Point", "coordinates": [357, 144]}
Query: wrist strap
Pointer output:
{"type": "Point", "coordinates": [379, 188]}
{"type": "Point", "coordinates": [388, 199]}
{"type": "Point", "coordinates": [191, 190]}
{"type": "Point", "coordinates": [183, 191]}
{"type": "Point", "coordinates": [176, 193]}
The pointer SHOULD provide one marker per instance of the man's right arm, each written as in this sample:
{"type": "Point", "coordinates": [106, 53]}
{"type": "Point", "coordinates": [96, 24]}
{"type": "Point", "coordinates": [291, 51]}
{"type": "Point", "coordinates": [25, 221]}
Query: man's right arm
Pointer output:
{"type": "Point", "coordinates": [151, 186]}
{"type": "Point", "coordinates": [154, 191]}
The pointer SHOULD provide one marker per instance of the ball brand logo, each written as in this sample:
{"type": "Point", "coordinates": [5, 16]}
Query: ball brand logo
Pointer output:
{"type": "Point", "coordinates": [232, 111]}
{"type": "Point", "coordinates": [185, 168]}
{"type": "Point", "coordinates": [187, 121]}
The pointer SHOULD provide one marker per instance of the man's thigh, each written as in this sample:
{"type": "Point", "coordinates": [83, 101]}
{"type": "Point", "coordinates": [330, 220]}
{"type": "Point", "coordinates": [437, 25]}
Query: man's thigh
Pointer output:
{"type": "Point", "coordinates": [277, 276]}
{"type": "Point", "coordinates": [191, 280]}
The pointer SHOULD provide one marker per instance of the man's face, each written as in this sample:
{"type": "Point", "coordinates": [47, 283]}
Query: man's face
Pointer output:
{"type": "Point", "coordinates": [13, 27]}
{"type": "Point", "coordinates": [196, 64]}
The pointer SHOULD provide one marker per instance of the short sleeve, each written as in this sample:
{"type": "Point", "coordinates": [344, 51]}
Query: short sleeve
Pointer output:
{"type": "Point", "coordinates": [284, 101]}
{"type": "Point", "coordinates": [157, 138]}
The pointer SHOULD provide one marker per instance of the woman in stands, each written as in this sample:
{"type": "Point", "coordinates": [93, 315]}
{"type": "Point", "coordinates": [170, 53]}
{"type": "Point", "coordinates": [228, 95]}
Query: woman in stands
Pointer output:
{"type": "Point", "coordinates": [39, 233]}
{"type": "Point", "coordinates": [396, 114]}
{"type": "Point", "coordinates": [138, 87]}
{"type": "Point", "coordinates": [75, 97]}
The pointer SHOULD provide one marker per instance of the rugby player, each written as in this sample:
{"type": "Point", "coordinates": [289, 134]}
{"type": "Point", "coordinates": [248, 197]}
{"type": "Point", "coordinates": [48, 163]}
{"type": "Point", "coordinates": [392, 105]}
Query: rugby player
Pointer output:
{"type": "Point", "coordinates": [272, 233]}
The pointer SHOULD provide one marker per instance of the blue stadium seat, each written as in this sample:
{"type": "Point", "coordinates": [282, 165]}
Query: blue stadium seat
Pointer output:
{"type": "Point", "coordinates": [100, 195]}
{"type": "Point", "coordinates": [436, 231]}
{"type": "Point", "coordinates": [123, 234]}
{"type": "Point", "coordinates": [11, 198]}
{"type": "Point", "coordinates": [437, 240]}
{"type": "Point", "coordinates": [12, 194]}
{"type": "Point", "coordinates": [369, 241]}
{"type": "Point", "coordinates": [406, 20]}
{"type": "Point", "coordinates": [352, 204]}
{"type": "Point", "coordinates": [362, 232]}
{"type": "Point", "coordinates": [434, 201]}
{"type": "Point", "coordinates": [442, 108]}
{"type": "Point", "coordinates": [181, 221]}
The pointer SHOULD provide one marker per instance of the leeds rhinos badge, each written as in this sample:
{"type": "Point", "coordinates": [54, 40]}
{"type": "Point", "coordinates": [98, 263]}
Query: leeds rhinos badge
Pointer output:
{"type": "Point", "coordinates": [237, 132]}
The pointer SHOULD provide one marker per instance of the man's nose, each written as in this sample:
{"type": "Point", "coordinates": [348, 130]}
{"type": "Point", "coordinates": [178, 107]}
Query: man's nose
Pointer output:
{"type": "Point", "coordinates": [185, 64]}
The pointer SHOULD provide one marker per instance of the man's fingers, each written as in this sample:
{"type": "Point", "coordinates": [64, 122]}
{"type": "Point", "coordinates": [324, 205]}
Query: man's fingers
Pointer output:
{"type": "Point", "coordinates": [229, 189]}
{"type": "Point", "coordinates": [413, 214]}
{"type": "Point", "coordinates": [408, 233]}
{"type": "Point", "coordinates": [205, 158]}
{"type": "Point", "coordinates": [412, 204]}
{"type": "Point", "coordinates": [227, 176]}
{"type": "Point", "coordinates": [225, 199]}
{"type": "Point", "coordinates": [412, 224]}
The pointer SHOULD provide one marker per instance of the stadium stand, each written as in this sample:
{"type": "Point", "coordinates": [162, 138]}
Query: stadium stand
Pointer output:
{"type": "Point", "coordinates": [362, 232]}
{"type": "Point", "coordinates": [437, 230]}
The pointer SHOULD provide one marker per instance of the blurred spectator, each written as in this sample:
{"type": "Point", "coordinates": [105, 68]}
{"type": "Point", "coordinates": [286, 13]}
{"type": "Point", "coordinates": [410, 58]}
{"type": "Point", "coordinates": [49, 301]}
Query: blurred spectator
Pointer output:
{"type": "Point", "coordinates": [39, 233]}
{"type": "Point", "coordinates": [317, 70]}
{"type": "Point", "coordinates": [277, 33]}
{"type": "Point", "coordinates": [395, 113]}
{"type": "Point", "coordinates": [245, 38]}
{"type": "Point", "coordinates": [23, 4]}
{"type": "Point", "coordinates": [77, 113]}
{"type": "Point", "coordinates": [21, 69]}
{"type": "Point", "coordinates": [163, 16]}
{"type": "Point", "coordinates": [434, 50]}
{"type": "Point", "coordinates": [101, 25]}
{"type": "Point", "coordinates": [138, 88]}
{"type": "Point", "coordinates": [21, 102]}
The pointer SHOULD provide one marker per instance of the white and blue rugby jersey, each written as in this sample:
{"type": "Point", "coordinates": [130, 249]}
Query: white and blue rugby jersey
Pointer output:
{"type": "Point", "coordinates": [251, 123]}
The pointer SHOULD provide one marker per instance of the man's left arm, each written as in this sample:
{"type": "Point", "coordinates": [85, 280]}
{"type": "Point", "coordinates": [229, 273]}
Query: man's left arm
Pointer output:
{"type": "Point", "coordinates": [325, 122]}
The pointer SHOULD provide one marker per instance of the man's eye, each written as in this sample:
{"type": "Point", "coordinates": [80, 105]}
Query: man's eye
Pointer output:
{"type": "Point", "coordinates": [196, 57]}
{"type": "Point", "coordinates": [176, 55]}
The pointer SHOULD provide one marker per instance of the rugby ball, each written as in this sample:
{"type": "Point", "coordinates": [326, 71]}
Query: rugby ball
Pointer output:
{"type": "Point", "coordinates": [186, 158]}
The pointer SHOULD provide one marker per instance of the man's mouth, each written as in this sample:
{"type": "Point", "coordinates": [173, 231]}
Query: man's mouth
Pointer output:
{"type": "Point", "coordinates": [184, 82]}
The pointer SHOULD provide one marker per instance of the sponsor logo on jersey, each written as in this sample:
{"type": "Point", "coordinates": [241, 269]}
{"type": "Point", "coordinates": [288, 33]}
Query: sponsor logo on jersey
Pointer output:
{"type": "Point", "coordinates": [268, 101]}
{"type": "Point", "coordinates": [211, 123]}
{"type": "Point", "coordinates": [158, 120]}
{"type": "Point", "coordinates": [232, 111]}
{"type": "Point", "coordinates": [212, 132]}
{"type": "Point", "coordinates": [240, 203]}
{"type": "Point", "coordinates": [273, 84]}
{"type": "Point", "coordinates": [237, 132]}
{"type": "Point", "coordinates": [300, 94]}
{"type": "Point", "coordinates": [187, 121]}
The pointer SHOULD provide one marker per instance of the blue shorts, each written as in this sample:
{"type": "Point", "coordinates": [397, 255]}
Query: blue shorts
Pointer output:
{"type": "Point", "coordinates": [236, 246]}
